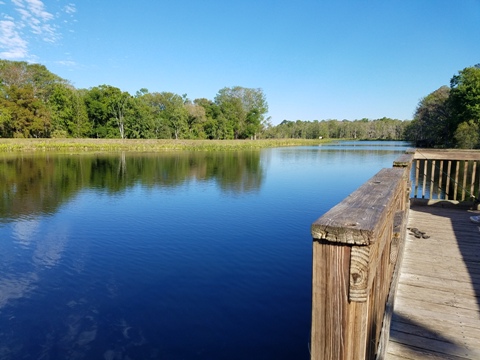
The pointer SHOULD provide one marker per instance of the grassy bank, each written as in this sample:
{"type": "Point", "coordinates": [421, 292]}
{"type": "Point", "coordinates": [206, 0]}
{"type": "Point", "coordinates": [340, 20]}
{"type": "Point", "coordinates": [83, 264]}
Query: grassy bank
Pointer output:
{"type": "Point", "coordinates": [101, 145]}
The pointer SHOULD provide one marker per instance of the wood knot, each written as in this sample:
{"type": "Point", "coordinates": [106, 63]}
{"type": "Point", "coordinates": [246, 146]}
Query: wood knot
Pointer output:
{"type": "Point", "coordinates": [356, 277]}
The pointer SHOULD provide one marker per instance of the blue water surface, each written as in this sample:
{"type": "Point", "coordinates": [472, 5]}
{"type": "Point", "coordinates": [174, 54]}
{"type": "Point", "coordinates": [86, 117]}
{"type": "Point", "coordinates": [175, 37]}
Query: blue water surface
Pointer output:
{"type": "Point", "coordinates": [123, 257]}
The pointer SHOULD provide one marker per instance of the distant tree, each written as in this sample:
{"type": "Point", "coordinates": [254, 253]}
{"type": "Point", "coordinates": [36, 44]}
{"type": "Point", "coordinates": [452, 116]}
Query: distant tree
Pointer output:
{"type": "Point", "coordinates": [431, 123]}
{"type": "Point", "coordinates": [173, 113]}
{"type": "Point", "coordinates": [20, 73]}
{"type": "Point", "coordinates": [237, 104]}
{"type": "Point", "coordinates": [119, 104]}
{"type": "Point", "coordinates": [109, 110]}
{"type": "Point", "coordinates": [465, 97]}
{"type": "Point", "coordinates": [68, 112]}
{"type": "Point", "coordinates": [211, 125]}
{"type": "Point", "coordinates": [25, 90]}
{"type": "Point", "coordinates": [467, 135]}
{"type": "Point", "coordinates": [22, 114]}
{"type": "Point", "coordinates": [196, 120]}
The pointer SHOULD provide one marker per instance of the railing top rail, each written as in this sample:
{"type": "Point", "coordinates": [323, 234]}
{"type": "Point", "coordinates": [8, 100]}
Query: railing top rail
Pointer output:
{"type": "Point", "coordinates": [360, 216]}
{"type": "Point", "coordinates": [403, 160]}
{"type": "Point", "coordinates": [446, 154]}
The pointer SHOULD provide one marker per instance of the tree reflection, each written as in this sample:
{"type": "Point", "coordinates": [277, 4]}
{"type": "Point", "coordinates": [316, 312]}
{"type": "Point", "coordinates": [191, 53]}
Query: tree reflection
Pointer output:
{"type": "Point", "coordinates": [38, 184]}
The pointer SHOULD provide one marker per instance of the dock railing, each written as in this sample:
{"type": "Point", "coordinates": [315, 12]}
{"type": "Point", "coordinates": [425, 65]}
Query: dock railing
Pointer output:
{"type": "Point", "coordinates": [447, 176]}
{"type": "Point", "coordinates": [358, 247]}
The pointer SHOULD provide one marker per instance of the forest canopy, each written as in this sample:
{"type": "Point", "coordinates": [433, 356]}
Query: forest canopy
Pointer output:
{"type": "Point", "coordinates": [450, 116]}
{"type": "Point", "coordinates": [35, 103]}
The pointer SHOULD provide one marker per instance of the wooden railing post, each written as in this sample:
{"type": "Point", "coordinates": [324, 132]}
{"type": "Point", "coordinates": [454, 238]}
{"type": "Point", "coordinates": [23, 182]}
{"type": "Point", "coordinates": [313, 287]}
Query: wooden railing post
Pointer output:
{"type": "Point", "coordinates": [353, 250]}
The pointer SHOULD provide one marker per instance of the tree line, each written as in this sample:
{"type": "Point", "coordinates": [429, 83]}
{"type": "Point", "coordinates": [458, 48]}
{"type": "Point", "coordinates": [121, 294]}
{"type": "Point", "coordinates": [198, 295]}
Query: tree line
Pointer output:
{"type": "Point", "coordinates": [450, 116]}
{"type": "Point", "coordinates": [35, 103]}
{"type": "Point", "coordinates": [363, 129]}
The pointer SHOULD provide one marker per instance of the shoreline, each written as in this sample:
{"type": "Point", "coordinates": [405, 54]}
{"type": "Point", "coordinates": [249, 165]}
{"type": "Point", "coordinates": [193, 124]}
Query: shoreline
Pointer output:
{"type": "Point", "coordinates": [145, 145]}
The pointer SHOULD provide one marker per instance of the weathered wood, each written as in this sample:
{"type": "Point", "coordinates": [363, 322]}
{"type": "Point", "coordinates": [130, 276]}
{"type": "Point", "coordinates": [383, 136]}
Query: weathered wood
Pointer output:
{"type": "Point", "coordinates": [349, 297]}
{"type": "Point", "coordinates": [462, 180]}
{"type": "Point", "coordinates": [399, 231]}
{"type": "Point", "coordinates": [358, 248]}
{"type": "Point", "coordinates": [447, 154]}
{"type": "Point", "coordinates": [358, 218]}
{"type": "Point", "coordinates": [403, 160]}
{"type": "Point", "coordinates": [437, 312]}
{"type": "Point", "coordinates": [336, 323]}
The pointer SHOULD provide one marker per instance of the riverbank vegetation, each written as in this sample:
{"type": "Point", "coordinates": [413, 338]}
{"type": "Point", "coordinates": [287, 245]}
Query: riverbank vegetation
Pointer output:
{"type": "Point", "coordinates": [144, 145]}
{"type": "Point", "coordinates": [450, 116]}
{"type": "Point", "coordinates": [36, 103]}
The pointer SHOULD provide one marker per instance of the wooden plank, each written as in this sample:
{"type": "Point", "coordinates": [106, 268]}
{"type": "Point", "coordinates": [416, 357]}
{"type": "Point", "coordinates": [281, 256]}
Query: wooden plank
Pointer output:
{"type": "Point", "coordinates": [432, 179]}
{"type": "Point", "coordinates": [472, 180]}
{"type": "Point", "coordinates": [399, 230]}
{"type": "Point", "coordinates": [403, 160]}
{"type": "Point", "coordinates": [417, 178]}
{"type": "Point", "coordinates": [439, 348]}
{"type": "Point", "coordinates": [437, 313]}
{"type": "Point", "coordinates": [401, 351]}
{"type": "Point", "coordinates": [359, 217]}
{"type": "Point", "coordinates": [439, 297]}
{"type": "Point", "coordinates": [448, 154]}
{"type": "Point", "coordinates": [435, 329]}
{"type": "Point", "coordinates": [440, 180]}
{"type": "Point", "coordinates": [455, 185]}
{"type": "Point", "coordinates": [449, 172]}
{"type": "Point", "coordinates": [429, 282]}
{"type": "Point", "coordinates": [424, 179]}
{"type": "Point", "coordinates": [338, 326]}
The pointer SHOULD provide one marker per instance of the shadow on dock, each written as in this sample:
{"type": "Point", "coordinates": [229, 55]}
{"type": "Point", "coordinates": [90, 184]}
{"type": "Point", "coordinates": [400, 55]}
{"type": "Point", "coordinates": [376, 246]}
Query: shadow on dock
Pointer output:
{"type": "Point", "coordinates": [437, 306]}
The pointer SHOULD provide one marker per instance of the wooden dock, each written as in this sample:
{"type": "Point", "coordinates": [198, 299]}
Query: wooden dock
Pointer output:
{"type": "Point", "coordinates": [437, 313]}
{"type": "Point", "coordinates": [381, 290]}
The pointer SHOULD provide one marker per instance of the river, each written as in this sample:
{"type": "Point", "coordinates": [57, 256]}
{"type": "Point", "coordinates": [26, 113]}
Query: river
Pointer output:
{"type": "Point", "coordinates": [178, 255]}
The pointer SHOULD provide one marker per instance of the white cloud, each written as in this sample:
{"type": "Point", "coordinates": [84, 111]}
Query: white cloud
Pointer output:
{"type": "Point", "coordinates": [29, 21]}
{"type": "Point", "coordinates": [70, 9]}
{"type": "Point", "coordinates": [11, 42]}
{"type": "Point", "coordinates": [67, 63]}
{"type": "Point", "coordinates": [34, 16]}
{"type": "Point", "coordinates": [37, 8]}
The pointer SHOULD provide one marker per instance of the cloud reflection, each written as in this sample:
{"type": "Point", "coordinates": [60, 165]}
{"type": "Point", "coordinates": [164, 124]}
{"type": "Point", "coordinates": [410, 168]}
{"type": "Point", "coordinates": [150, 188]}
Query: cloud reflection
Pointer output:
{"type": "Point", "coordinates": [24, 231]}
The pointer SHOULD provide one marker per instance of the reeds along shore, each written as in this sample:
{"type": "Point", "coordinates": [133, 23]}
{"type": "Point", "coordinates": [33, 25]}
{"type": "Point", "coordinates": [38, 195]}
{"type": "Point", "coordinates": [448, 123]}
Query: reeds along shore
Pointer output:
{"type": "Point", "coordinates": [96, 145]}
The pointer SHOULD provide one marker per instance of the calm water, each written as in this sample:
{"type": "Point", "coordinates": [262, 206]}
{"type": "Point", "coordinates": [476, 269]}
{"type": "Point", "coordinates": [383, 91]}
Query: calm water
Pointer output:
{"type": "Point", "coordinates": [167, 256]}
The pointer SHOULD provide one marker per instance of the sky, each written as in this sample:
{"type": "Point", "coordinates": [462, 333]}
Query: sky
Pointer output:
{"type": "Point", "coordinates": [313, 59]}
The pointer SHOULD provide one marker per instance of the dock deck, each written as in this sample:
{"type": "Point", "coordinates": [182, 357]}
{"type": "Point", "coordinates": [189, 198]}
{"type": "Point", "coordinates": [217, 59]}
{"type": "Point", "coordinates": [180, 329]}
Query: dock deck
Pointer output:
{"type": "Point", "coordinates": [437, 313]}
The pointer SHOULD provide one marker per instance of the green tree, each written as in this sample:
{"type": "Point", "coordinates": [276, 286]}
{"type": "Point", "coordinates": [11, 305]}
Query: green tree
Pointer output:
{"type": "Point", "coordinates": [196, 121]}
{"type": "Point", "coordinates": [24, 115]}
{"type": "Point", "coordinates": [119, 105]}
{"type": "Point", "coordinates": [108, 108]}
{"type": "Point", "coordinates": [68, 112]}
{"type": "Point", "coordinates": [237, 104]}
{"type": "Point", "coordinates": [173, 113]}
{"type": "Point", "coordinates": [431, 123]}
{"type": "Point", "coordinates": [467, 135]}
{"type": "Point", "coordinates": [24, 93]}
{"type": "Point", "coordinates": [465, 97]}
{"type": "Point", "coordinates": [211, 126]}
{"type": "Point", "coordinates": [20, 73]}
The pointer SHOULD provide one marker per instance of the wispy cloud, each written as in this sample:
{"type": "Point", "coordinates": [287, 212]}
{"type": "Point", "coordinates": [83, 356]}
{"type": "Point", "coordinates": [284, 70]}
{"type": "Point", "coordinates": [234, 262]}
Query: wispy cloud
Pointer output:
{"type": "Point", "coordinates": [67, 63]}
{"type": "Point", "coordinates": [70, 9]}
{"type": "Point", "coordinates": [34, 16]}
{"type": "Point", "coordinates": [29, 20]}
{"type": "Point", "coordinates": [11, 42]}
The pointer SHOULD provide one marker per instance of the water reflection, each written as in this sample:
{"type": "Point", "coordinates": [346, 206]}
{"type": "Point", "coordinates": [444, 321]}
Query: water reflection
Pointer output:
{"type": "Point", "coordinates": [165, 256]}
{"type": "Point", "coordinates": [36, 185]}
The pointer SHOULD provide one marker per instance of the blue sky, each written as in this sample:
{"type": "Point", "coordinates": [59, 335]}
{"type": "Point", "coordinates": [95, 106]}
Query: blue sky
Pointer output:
{"type": "Point", "coordinates": [324, 59]}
